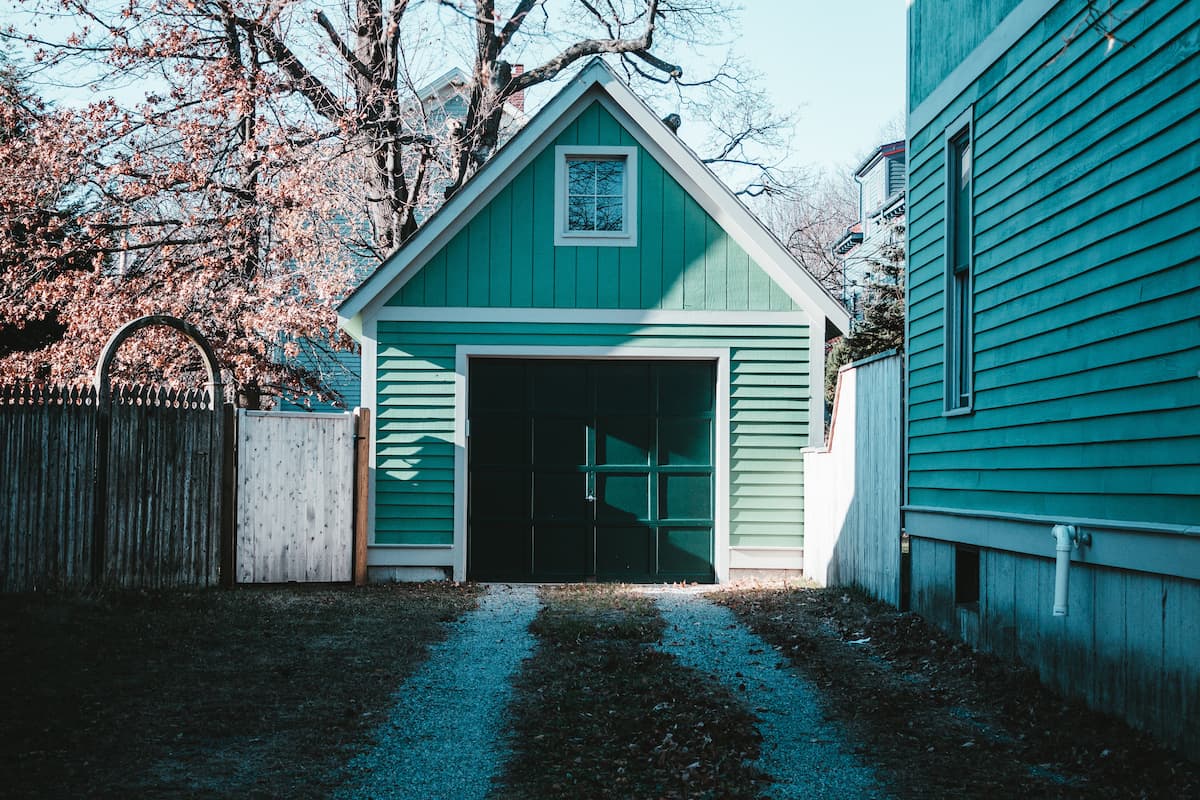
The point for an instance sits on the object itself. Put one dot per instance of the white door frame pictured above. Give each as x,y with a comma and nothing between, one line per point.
720,355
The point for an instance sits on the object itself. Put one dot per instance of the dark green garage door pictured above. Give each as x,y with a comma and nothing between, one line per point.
590,469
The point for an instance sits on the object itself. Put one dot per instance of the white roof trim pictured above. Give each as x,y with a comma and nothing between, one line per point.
596,81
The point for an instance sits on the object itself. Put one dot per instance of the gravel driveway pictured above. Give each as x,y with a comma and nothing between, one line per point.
805,755
444,738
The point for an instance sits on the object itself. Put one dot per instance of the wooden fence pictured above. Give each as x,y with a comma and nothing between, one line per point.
144,491
852,487
147,514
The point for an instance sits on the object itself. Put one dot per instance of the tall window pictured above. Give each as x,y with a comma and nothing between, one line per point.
595,199
958,272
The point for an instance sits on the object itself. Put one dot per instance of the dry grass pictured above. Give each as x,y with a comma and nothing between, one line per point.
250,692
942,721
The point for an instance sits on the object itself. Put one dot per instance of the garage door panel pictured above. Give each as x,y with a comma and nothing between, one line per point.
685,552
625,389
560,441
560,496
562,552
686,389
500,440
491,386
623,496
498,494
500,551
624,441
560,387
685,442
685,496
625,553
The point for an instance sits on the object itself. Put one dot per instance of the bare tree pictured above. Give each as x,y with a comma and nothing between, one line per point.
812,218
233,186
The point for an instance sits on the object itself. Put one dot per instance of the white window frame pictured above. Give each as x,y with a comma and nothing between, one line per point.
627,237
954,403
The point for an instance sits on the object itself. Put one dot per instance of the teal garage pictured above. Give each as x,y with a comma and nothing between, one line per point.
593,363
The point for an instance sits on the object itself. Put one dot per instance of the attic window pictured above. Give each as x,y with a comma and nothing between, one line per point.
595,193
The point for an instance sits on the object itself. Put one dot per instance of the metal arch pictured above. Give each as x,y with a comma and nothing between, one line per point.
216,387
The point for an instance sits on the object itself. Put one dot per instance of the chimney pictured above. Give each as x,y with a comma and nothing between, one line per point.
517,100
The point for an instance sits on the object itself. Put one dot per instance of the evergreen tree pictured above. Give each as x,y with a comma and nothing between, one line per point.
882,325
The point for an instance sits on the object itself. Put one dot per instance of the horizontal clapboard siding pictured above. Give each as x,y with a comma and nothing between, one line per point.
505,257
1087,281
769,388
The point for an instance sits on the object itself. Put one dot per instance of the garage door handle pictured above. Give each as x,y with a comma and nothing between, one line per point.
590,498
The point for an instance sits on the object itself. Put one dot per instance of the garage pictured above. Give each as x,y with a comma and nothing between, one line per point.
590,470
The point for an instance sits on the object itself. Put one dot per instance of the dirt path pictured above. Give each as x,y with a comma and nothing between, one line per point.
804,754
444,738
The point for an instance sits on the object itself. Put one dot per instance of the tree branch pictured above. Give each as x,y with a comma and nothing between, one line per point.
343,50
325,102
591,47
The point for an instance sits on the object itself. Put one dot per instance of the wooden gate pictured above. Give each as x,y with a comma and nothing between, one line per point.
163,489
295,496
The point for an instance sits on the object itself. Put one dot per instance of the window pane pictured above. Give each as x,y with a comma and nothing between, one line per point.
962,204
610,177
963,334
609,216
581,214
581,177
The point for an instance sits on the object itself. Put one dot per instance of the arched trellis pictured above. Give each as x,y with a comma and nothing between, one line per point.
104,365
223,421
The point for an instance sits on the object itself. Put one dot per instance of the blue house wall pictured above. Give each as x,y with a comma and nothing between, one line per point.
1084,332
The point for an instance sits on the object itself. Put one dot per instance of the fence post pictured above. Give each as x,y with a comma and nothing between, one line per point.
228,423
362,454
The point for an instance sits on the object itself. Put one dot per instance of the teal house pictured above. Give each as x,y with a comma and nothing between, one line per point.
592,363
1053,375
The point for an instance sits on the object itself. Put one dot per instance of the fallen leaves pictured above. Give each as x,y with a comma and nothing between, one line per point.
941,720
653,728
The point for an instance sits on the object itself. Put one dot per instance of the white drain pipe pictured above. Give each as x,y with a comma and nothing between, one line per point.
1066,538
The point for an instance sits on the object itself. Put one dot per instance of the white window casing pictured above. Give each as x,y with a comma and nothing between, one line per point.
958,306
627,235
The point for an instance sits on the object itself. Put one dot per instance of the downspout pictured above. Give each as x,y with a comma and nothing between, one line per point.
1066,539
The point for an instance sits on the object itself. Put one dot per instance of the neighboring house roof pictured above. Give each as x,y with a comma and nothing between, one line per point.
595,81
883,151
455,81
849,240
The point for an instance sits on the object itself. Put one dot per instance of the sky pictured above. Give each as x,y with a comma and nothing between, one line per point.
838,63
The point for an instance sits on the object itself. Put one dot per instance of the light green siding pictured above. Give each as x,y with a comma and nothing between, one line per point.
506,256
769,401
1087,280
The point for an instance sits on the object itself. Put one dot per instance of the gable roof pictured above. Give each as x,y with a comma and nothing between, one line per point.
595,82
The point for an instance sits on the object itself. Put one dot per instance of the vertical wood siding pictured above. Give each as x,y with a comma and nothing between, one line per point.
852,491
295,497
506,257
1087,279
1130,644
769,387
